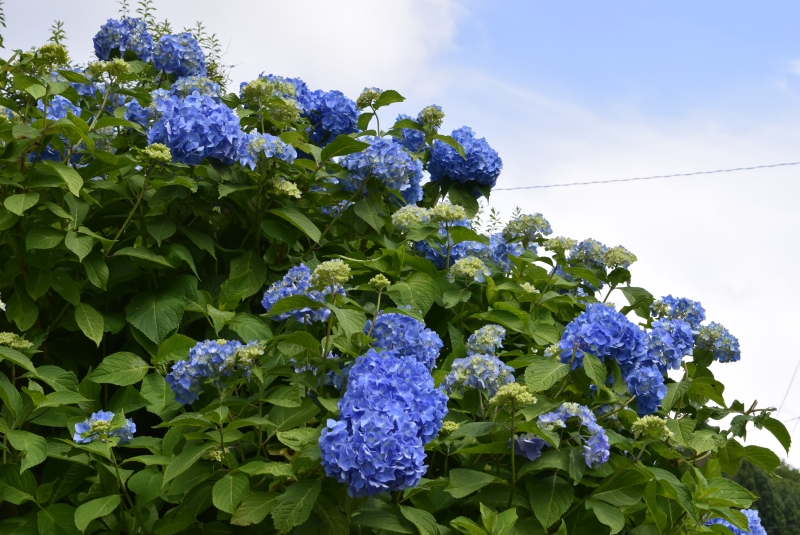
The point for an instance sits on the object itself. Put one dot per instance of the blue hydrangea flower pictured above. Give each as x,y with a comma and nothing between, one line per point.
753,520
480,372
196,128
596,448
291,89
604,333
529,445
716,338
590,252
486,340
207,359
407,337
58,107
668,342
481,164
437,253
186,85
413,140
647,384
386,160
389,411
98,426
499,250
255,144
296,282
135,113
179,54
128,34
679,308
331,113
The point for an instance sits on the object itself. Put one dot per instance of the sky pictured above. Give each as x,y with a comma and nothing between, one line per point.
575,92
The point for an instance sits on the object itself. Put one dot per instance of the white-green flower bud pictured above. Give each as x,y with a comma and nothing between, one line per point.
512,394
651,425
330,273
560,245
469,268
158,152
12,340
447,213
379,282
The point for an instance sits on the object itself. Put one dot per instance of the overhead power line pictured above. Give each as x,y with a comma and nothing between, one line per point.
648,177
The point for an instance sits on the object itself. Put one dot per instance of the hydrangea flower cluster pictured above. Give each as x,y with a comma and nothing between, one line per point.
296,282
646,383
179,54
716,338
186,85
668,342
679,308
128,34
412,139
470,268
499,250
431,117
386,160
406,336
618,257
99,427
486,340
212,359
196,128
753,520
604,333
486,373
331,113
135,113
596,449
58,107
409,216
388,413
527,226
589,252
481,163
13,340
271,146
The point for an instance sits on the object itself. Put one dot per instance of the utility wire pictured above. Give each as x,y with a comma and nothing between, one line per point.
648,177
788,387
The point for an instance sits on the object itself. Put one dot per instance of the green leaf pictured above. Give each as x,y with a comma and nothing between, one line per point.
762,457
462,196
176,253
251,266
200,239
156,314
779,431
293,302
379,521
80,245
543,374
249,327
294,506
550,498
226,189
91,322
297,439
681,430
7,353
31,445
11,398
390,96
96,269
36,91
473,429
261,468
423,291
351,321
43,238
57,518
69,175
161,229
7,219
625,489
464,482
229,491
20,202
143,253
180,463
708,387
674,392
219,318
147,485
452,142
254,509
300,221
38,282
594,369
120,369
342,146
176,347
368,211
422,520
161,397
23,131
706,440
22,310
462,234
724,492
607,514
95,509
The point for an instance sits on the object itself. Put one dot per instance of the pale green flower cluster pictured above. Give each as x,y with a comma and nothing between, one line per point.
329,274
379,282
285,187
618,256
560,244
409,216
368,97
513,394
448,427
651,425
447,213
158,152
53,54
116,67
469,267
431,116
12,340
528,287
526,225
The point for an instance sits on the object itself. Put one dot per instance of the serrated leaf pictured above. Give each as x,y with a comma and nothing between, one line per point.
762,457
202,240
543,374
708,387
368,211
351,321
422,520
390,96
57,518
87,512
779,431
341,146
17,204
7,353
300,221
595,369
156,314
261,468
68,175
120,369
90,321
252,267
462,196
161,229
143,253
681,430
249,327
22,310
550,498
464,482
607,514
31,445
219,318
38,282
43,238
229,491
254,509
180,463
294,506
80,245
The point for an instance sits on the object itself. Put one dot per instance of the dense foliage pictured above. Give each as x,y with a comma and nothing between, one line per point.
258,312
779,498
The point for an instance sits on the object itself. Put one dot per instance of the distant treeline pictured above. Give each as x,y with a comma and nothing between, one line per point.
779,506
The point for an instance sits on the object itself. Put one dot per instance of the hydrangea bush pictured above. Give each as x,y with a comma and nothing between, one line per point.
273,311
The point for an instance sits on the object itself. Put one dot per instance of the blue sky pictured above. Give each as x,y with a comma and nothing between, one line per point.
570,92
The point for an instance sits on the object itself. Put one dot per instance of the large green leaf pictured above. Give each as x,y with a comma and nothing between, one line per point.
180,463
120,369
294,506
68,175
542,374
595,369
90,321
80,245
87,512
762,457
550,498
229,491
31,445
143,253
43,238
156,314
369,212
607,514
708,387
351,321
12,355
21,309
254,508
161,229
300,221
57,518
249,327
96,269
20,202
251,266
342,146
779,431
38,282
464,482
422,520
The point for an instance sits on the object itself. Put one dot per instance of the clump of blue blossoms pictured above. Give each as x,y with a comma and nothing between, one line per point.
529,445
679,308
716,338
647,384
331,113
668,342
405,336
412,139
386,160
296,282
126,35
58,107
753,520
589,252
135,113
186,85
486,340
196,128
596,449
485,373
604,333
179,54
256,144
389,411
99,426
480,164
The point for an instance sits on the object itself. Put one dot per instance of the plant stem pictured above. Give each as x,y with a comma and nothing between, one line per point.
513,456
546,286
133,211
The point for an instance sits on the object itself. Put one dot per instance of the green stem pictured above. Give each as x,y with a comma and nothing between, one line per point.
513,456
132,506
546,286
133,211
